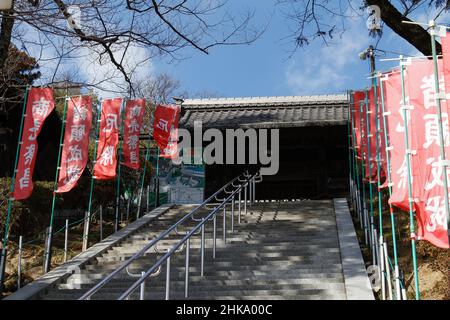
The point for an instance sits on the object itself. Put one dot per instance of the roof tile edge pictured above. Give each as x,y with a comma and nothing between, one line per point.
265,100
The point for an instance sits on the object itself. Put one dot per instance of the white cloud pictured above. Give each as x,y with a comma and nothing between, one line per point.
325,69
110,80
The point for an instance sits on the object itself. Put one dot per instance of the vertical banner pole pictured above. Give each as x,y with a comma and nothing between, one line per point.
377,134
350,152
119,165
10,198
439,114
391,209
355,166
369,158
410,199
363,174
97,136
48,253
141,190
157,179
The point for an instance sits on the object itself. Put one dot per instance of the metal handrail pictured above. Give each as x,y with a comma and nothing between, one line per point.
174,249
141,252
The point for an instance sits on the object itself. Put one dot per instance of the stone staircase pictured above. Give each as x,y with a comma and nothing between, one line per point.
280,250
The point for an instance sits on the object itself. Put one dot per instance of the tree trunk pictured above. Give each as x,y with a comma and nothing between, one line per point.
414,34
5,34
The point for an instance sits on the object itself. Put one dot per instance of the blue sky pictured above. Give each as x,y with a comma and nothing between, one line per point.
265,69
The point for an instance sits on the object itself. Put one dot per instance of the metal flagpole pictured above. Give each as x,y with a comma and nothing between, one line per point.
350,152
48,245
391,208
119,165
408,166
97,136
147,151
157,179
355,166
369,156
364,207
11,196
378,159
353,163
444,162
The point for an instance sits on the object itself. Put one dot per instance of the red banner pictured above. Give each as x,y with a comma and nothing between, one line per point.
395,123
134,115
105,166
76,142
427,168
171,150
358,98
165,121
40,104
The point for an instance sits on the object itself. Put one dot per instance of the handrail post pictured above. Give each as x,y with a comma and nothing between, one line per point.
224,223
101,222
239,215
128,209
232,214
249,192
117,209
382,268
116,220
167,277
66,239
214,236
47,249
186,279
245,197
254,189
148,199
157,199
142,292
138,211
86,231
19,263
202,248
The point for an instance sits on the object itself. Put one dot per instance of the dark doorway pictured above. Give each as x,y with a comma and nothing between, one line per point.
313,164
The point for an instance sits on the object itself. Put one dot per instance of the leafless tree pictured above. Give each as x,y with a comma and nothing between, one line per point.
109,30
159,89
324,19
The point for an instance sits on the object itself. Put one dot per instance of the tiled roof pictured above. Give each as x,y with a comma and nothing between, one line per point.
266,112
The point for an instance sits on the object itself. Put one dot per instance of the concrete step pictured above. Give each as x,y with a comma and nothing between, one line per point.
291,250
249,257
200,288
297,294
212,280
225,267
240,272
